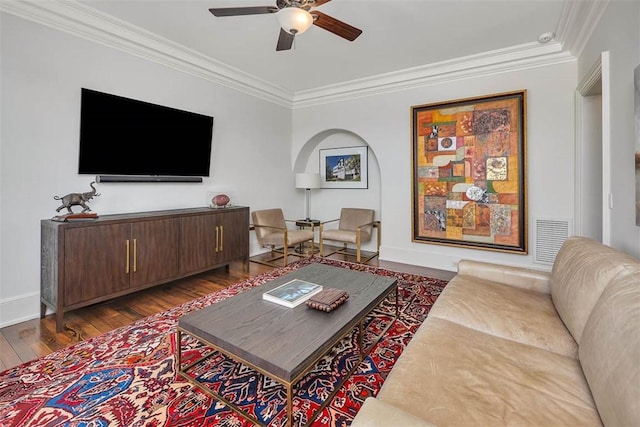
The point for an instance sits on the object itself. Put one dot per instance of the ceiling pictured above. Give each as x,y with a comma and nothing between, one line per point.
397,34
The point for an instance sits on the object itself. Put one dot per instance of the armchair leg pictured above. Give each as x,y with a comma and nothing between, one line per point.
286,253
286,246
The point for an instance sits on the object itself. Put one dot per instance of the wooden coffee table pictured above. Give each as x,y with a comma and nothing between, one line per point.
285,343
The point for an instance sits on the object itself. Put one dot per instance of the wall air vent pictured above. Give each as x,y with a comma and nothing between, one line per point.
550,235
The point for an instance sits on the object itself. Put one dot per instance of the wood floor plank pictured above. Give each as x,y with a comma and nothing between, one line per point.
8,357
21,337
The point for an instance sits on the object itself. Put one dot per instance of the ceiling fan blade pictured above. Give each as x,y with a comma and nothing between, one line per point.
235,11
335,26
285,40
320,2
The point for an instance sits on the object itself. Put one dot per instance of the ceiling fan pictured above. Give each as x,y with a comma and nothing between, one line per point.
295,18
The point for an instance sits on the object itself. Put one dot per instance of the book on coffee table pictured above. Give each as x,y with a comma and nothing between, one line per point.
328,299
292,293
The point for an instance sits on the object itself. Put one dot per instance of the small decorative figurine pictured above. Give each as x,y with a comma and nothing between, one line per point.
77,199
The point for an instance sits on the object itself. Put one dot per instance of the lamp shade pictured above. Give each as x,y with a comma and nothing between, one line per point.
308,180
294,20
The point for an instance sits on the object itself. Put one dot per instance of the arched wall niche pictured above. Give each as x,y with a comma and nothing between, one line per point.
325,203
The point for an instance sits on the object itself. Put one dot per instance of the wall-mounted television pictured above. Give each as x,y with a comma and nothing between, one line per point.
123,139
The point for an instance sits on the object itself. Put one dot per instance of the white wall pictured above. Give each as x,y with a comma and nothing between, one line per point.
42,71
589,209
617,32
384,122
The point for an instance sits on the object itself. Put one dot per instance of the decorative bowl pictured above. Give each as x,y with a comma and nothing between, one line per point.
220,200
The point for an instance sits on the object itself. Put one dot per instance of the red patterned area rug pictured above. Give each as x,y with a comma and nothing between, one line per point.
127,377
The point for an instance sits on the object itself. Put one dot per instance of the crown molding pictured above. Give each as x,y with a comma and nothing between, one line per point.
577,22
83,21
513,58
591,80
75,18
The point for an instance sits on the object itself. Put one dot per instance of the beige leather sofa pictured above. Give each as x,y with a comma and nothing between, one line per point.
511,346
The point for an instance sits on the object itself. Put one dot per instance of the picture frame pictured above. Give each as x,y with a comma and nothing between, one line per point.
469,173
345,167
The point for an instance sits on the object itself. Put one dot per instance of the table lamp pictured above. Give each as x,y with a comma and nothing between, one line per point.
308,181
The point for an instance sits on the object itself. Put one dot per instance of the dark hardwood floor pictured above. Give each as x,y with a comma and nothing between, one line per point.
35,338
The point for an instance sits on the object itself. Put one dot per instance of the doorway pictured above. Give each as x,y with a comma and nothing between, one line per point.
592,172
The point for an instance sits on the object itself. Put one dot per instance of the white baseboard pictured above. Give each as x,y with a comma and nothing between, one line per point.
256,249
442,261
19,309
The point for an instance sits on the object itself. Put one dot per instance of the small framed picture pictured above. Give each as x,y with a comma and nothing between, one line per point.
344,167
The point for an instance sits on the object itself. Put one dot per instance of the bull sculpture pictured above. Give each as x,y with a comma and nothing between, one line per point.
77,199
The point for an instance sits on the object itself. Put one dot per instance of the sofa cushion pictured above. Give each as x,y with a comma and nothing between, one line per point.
610,351
293,236
516,314
518,277
469,378
581,271
344,235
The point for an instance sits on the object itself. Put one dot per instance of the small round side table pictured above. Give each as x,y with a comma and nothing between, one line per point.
304,223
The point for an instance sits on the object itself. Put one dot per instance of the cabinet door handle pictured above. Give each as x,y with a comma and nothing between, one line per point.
217,238
135,255
128,255
221,238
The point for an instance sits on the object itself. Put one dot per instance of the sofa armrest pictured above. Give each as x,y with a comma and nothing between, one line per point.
376,413
524,278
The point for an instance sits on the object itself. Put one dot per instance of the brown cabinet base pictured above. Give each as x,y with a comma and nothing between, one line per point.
87,262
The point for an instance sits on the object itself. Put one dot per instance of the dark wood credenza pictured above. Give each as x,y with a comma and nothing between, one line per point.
86,262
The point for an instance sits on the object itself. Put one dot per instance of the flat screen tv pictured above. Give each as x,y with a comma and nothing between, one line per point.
126,137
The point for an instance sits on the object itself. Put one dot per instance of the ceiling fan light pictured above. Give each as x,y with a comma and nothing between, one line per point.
294,20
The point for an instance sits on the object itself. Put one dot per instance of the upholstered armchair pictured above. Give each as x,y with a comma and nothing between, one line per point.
272,231
355,226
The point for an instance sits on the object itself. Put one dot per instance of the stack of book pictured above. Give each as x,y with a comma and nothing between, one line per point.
328,299
292,293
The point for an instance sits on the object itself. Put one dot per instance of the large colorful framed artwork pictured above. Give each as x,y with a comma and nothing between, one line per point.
344,167
469,167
